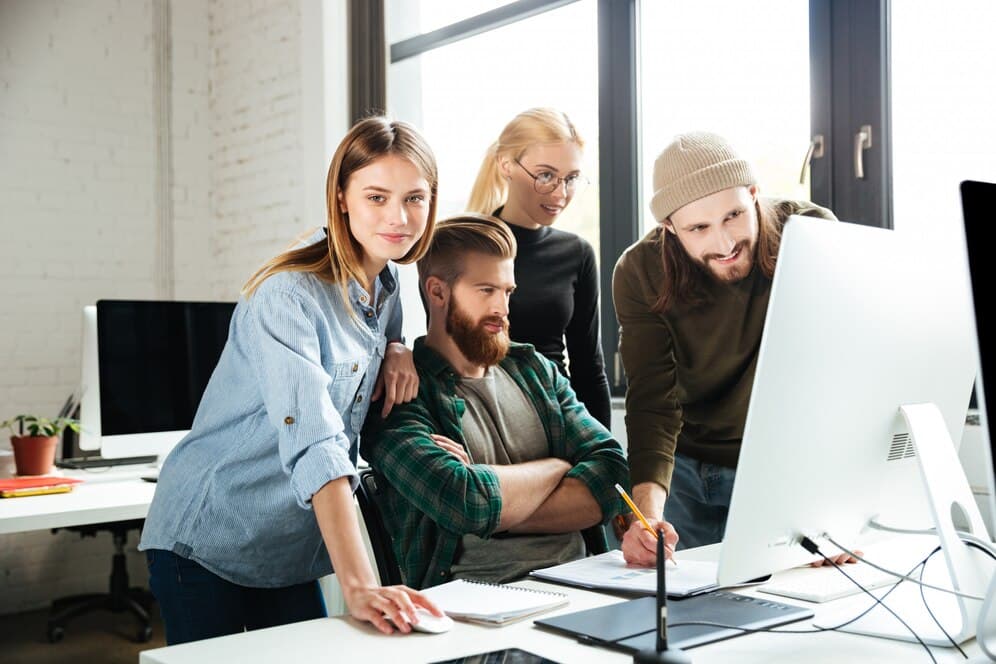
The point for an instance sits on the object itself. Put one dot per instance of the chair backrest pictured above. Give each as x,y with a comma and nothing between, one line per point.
370,496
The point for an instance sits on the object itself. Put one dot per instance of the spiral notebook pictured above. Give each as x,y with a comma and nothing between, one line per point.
492,603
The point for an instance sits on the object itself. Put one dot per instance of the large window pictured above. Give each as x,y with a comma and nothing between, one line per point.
740,70
943,101
462,94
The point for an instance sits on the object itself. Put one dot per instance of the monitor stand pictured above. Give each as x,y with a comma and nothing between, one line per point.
950,498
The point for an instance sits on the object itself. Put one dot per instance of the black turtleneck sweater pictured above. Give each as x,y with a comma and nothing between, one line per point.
555,308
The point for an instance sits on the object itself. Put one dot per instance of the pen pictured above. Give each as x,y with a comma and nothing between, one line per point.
639,515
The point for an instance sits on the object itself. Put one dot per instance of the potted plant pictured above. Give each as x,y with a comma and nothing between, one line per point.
34,441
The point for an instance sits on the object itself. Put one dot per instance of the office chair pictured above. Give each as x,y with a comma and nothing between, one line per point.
370,497
120,596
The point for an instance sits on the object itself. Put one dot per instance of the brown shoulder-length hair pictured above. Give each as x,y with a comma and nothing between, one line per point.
339,258
684,279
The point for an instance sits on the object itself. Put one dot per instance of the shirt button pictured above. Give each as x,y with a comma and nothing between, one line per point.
370,314
363,299
288,420
356,367
359,398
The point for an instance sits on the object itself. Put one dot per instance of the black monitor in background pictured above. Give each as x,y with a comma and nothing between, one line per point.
155,361
979,206
146,365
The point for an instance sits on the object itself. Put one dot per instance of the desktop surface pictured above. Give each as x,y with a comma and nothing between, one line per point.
108,494
351,639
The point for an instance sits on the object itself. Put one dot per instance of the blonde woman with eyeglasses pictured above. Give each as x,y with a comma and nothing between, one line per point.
528,177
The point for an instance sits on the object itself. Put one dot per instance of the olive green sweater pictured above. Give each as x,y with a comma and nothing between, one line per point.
689,371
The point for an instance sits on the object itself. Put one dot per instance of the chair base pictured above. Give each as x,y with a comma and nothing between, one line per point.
120,597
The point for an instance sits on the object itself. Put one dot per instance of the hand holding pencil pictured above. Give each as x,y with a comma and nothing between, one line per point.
639,544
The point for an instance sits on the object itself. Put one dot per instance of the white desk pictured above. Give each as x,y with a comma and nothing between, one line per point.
345,639
114,494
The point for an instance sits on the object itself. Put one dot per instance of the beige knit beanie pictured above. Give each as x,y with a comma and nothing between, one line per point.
693,166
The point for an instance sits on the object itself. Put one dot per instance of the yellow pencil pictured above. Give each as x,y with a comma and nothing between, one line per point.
637,512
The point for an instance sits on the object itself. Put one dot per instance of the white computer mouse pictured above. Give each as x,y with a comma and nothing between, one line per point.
429,623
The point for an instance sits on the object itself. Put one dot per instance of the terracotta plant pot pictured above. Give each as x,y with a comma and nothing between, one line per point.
34,455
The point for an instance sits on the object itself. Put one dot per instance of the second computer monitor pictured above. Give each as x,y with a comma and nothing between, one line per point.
861,321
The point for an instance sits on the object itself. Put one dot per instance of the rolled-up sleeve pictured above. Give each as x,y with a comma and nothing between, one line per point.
284,329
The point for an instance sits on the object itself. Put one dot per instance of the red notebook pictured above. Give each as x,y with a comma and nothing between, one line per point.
32,486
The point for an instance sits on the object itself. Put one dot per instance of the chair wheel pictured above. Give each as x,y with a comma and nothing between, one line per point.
144,634
55,633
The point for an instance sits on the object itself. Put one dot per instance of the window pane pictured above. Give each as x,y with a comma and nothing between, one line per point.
737,69
407,18
943,96
462,95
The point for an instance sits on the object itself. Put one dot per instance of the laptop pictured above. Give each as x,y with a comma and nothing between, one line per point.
630,626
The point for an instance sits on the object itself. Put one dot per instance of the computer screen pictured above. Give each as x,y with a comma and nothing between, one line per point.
861,321
978,201
146,365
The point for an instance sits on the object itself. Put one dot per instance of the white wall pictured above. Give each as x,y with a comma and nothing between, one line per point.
79,175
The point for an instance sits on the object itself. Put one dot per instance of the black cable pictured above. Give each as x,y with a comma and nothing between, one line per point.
811,546
923,597
775,630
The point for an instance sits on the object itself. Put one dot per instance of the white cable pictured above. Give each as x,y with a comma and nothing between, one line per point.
898,575
964,534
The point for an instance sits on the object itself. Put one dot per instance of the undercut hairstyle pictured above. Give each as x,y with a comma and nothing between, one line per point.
684,283
458,236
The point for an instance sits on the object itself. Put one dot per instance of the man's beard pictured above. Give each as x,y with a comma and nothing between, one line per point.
476,343
729,276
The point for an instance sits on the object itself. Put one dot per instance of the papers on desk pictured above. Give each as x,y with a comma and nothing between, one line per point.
16,487
609,571
491,604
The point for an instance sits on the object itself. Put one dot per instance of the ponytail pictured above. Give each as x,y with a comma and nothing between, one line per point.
490,189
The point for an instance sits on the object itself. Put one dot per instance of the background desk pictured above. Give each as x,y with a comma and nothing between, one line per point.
111,495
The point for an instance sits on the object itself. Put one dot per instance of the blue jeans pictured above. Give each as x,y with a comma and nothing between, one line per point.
197,604
699,501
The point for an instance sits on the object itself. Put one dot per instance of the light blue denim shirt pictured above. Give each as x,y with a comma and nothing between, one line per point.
280,417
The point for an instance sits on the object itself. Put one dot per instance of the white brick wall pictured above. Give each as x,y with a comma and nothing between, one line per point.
77,192
78,179
256,188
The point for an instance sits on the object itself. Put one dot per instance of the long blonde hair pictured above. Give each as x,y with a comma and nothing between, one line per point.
339,258
531,127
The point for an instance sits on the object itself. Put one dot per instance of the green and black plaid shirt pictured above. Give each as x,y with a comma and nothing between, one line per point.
432,499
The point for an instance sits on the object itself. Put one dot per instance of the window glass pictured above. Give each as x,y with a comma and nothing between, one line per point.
463,94
740,70
943,101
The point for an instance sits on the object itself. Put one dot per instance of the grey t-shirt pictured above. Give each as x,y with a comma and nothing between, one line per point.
501,427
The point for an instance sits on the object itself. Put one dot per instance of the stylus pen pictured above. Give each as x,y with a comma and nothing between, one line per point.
639,515
661,596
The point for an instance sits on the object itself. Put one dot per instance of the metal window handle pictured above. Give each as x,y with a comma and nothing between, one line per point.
815,151
862,142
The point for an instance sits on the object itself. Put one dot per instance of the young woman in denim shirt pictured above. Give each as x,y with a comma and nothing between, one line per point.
256,503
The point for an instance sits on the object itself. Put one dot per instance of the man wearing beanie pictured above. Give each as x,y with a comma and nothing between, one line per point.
691,299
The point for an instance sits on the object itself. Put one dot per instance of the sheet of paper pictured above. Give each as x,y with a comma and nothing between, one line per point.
609,571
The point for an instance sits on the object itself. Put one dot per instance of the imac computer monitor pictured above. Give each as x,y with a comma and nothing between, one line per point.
978,200
861,321
145,366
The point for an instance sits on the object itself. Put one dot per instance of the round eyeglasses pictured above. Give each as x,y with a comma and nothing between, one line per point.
546,182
